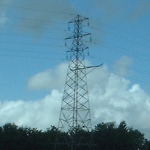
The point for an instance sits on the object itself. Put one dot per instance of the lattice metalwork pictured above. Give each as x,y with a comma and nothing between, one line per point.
75,115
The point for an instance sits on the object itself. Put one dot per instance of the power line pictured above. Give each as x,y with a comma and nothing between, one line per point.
31,57
9,5
120,29
75,109
33,19
29,51
30,26
118,36
145,74
141,57
27,36
122,50
37,9
47,45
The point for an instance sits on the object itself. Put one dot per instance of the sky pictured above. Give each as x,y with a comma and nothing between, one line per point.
33,60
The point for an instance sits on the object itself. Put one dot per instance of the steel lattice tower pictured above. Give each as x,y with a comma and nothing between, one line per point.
75,109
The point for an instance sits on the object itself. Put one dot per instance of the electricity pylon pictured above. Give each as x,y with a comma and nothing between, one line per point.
75,117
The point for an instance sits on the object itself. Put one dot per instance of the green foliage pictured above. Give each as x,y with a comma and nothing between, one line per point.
106,136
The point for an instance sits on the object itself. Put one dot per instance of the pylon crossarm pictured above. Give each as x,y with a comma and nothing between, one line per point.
75,108
77,36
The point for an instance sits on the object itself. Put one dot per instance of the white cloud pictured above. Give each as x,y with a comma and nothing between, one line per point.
48,79
41,113
112,98
122,66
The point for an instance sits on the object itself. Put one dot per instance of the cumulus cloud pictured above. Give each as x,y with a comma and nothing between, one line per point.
122,66
48,79
112,98
41,113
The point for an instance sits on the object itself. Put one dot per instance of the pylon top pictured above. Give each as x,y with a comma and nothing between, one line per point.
78,18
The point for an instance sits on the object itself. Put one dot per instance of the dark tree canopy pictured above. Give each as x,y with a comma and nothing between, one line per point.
106,136
109,136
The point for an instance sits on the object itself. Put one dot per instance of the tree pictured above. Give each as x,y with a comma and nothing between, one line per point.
106,136
109,137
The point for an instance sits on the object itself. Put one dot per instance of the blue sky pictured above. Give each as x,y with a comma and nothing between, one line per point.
28,48
33,59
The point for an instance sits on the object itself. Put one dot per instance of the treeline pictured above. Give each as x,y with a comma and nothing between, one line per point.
106,136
